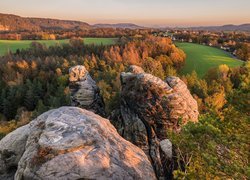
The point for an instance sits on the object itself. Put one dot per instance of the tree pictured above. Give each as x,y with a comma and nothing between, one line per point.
154,67
40,108
223,71
2,97
170,71
9,104
243,51
30,98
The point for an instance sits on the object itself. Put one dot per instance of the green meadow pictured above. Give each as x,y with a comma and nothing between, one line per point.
13,45
201,58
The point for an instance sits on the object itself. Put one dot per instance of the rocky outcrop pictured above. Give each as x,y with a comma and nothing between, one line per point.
84,91
149,109
135,69
166,147
12,147
71,143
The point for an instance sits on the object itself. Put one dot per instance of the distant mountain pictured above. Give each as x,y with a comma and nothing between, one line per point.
119,25
17,23
229,27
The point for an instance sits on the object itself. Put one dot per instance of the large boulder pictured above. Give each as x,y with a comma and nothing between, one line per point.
73,143
84,91
12,147
150,107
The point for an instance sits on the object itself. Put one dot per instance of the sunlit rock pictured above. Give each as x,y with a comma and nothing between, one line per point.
73,143
84,91
150,107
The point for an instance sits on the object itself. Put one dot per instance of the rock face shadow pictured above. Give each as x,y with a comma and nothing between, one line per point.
149,109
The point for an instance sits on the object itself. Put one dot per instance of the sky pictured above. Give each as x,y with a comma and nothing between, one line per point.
142,12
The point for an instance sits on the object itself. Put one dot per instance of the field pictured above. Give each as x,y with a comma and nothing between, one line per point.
201,58
12,45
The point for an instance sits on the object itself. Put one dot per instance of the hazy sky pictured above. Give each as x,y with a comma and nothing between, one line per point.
143,12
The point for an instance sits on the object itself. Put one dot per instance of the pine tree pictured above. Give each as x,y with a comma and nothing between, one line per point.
30,98
2,96
40,108
9,104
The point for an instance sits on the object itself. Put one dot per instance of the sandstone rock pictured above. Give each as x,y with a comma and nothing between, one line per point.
84,91
72,143
149,108
184,105
12,147
135,69
166,147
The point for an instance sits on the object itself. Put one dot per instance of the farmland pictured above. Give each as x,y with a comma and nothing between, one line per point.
13,45
201,58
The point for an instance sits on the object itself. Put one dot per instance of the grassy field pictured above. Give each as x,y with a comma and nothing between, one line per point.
201,58
12,45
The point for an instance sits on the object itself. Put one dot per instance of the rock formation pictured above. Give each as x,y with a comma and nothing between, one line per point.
12,147
71,143
135,69
149,108
84,91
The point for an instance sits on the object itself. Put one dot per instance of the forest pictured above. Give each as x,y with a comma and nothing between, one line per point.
36,80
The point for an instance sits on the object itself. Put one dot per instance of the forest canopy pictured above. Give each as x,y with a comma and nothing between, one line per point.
36,80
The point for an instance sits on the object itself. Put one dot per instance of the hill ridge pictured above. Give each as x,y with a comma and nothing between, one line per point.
13,22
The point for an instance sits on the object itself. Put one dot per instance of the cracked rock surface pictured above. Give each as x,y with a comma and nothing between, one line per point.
84,91
149,108
72,143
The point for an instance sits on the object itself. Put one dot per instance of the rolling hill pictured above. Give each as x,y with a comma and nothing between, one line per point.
17,23
9,22
229,27
119,25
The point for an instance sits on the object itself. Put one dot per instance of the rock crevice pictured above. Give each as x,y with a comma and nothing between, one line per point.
72,143
149,109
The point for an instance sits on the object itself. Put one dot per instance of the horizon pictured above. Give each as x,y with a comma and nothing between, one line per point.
148,13
147,26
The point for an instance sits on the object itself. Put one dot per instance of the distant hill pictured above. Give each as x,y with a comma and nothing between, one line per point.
17,23
10,22
119,25
229,27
